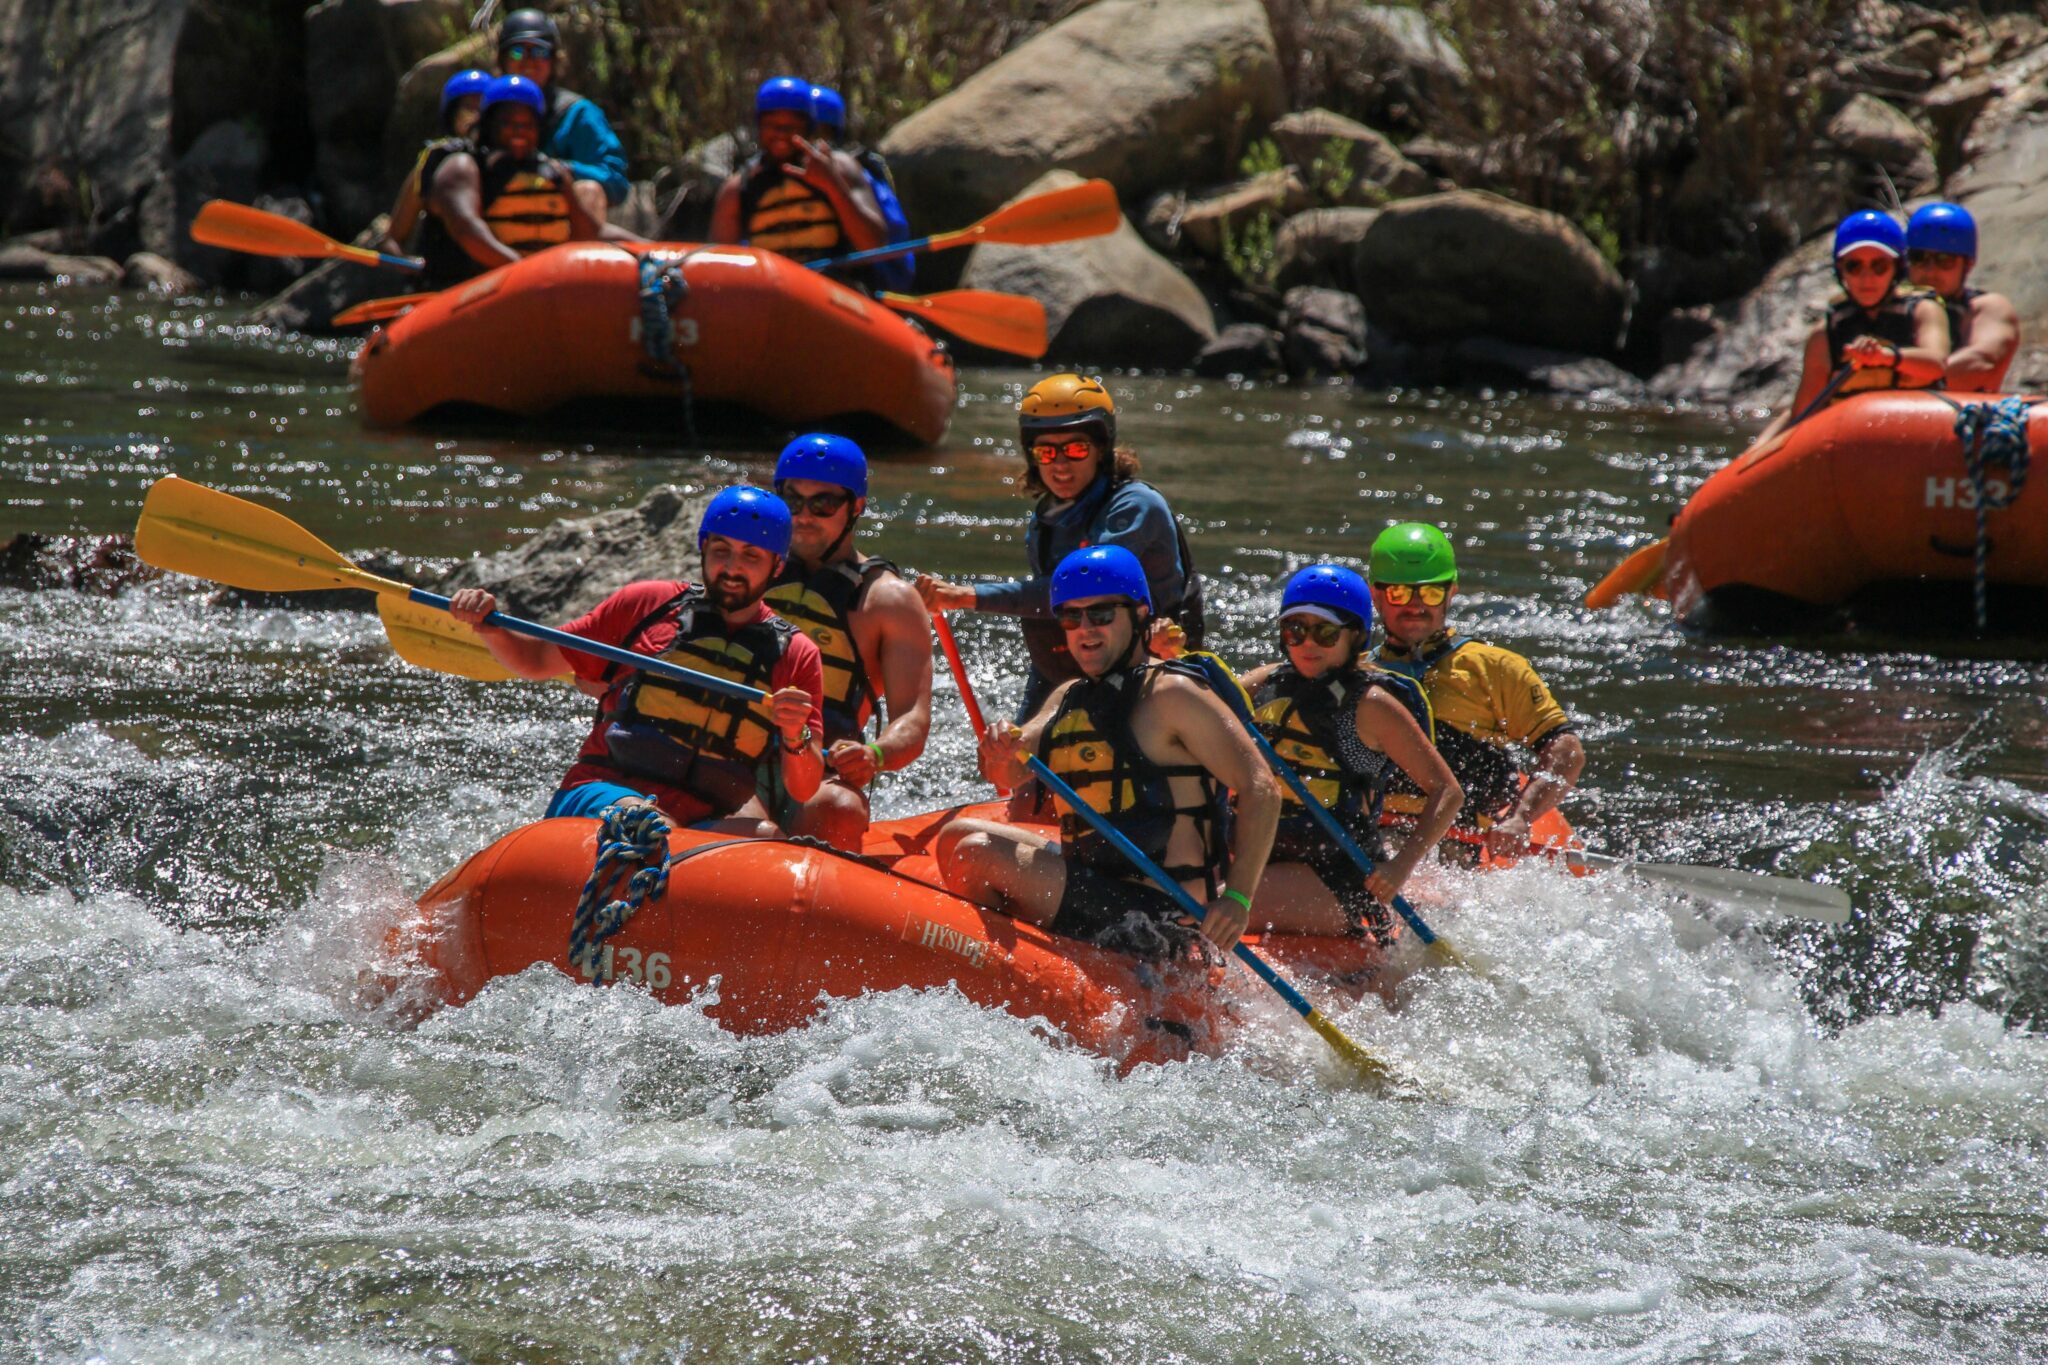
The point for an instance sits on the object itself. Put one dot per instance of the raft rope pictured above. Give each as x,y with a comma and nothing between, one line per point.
629,835
1992,434
663,289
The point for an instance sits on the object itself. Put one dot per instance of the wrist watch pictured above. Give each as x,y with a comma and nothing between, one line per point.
803,741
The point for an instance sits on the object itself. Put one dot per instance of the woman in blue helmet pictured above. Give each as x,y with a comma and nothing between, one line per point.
1345,728
796,196
462,99
1983,328
1889,338
700,756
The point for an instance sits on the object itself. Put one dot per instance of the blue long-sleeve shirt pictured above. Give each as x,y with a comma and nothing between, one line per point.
1133,515
582,139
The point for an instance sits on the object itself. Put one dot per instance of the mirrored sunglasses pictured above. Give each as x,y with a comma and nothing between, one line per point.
1399,594
1095,614
1295,629
521,52
1064,450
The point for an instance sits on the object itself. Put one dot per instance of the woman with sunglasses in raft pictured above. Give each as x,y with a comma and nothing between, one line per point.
1089,493
1891,338
1346,728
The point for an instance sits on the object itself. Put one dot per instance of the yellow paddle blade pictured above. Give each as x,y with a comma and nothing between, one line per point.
1371,1069
1001,322
427,637
377,310
1640,572
237,227
189,528
1088,209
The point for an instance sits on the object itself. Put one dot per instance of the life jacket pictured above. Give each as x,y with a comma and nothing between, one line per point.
431,157
1312,723
899,273
1958,310
524,209
1089,743
1047,643
691,737
782,214
821,605
1891,321
1487,771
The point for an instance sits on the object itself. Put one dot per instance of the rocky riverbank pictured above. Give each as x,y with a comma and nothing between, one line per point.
1314,188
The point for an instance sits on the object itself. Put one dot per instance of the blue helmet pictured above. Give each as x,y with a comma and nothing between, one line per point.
750,515
783,92
1332,587
515,90
828,108
1868,227
825,459
474,81
1100,571
1943,227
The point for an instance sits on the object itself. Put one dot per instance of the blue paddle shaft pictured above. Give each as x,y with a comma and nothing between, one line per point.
1157,875
402,262
873,253
1228,691
562,639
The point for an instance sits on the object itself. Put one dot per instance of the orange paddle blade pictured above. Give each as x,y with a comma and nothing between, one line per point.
1088,209
1640,572
1001,322
378,310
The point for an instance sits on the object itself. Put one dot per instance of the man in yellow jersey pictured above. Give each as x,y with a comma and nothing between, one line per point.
505,200
872,631
1486,699
796,196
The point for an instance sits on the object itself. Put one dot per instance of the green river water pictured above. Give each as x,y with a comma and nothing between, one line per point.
1803,1143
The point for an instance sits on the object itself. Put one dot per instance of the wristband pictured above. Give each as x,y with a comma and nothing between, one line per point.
1240,897
881,759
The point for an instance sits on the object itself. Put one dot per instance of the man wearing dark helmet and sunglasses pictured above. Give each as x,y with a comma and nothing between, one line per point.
1149,747
1486,700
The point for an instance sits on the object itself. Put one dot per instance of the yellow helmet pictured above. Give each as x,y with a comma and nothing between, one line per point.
1063,401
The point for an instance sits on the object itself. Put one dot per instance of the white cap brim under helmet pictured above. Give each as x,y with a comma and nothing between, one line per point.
1879,247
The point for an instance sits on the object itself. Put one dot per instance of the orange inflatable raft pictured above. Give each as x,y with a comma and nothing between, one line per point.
746,329
783,927
1870,496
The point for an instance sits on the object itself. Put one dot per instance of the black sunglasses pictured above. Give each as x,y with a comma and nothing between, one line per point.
1295,629
1096,614
817,504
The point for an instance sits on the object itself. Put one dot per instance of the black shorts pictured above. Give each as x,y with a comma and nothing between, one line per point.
1130,917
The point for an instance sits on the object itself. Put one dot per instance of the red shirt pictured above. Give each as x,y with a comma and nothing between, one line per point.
610,622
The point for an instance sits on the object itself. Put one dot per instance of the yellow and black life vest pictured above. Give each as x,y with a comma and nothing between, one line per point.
1892,321
1312,724
691,737
782,214
821,605
1090,744
525,210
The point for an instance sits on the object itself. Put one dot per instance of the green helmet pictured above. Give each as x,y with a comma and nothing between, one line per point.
1413,552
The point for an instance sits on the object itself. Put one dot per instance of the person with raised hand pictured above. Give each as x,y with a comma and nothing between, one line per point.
1088,493
1983,328
462,99
1346,728
702,757
797,196
1486,701
1149,747
871,630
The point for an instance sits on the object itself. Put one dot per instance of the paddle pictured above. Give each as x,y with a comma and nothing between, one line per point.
1088,209
237,227
1644,569
944,629
1232,696
1371,1068
1001,322
378,310
432,639
189,528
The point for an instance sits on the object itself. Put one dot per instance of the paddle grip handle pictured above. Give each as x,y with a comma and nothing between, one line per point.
562,639
1228,692
1157,876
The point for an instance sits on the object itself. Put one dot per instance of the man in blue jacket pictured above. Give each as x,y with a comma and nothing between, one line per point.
575,131
1089,493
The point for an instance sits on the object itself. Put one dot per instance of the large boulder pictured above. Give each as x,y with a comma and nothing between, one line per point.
1324,333
1868,127
1347,161
1108,300
2006,187
1755,346
1467,263
224,162
1321,247
356,53
1148,94
1389,64
572,565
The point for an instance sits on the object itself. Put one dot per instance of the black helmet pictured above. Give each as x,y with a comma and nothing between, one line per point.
529,26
